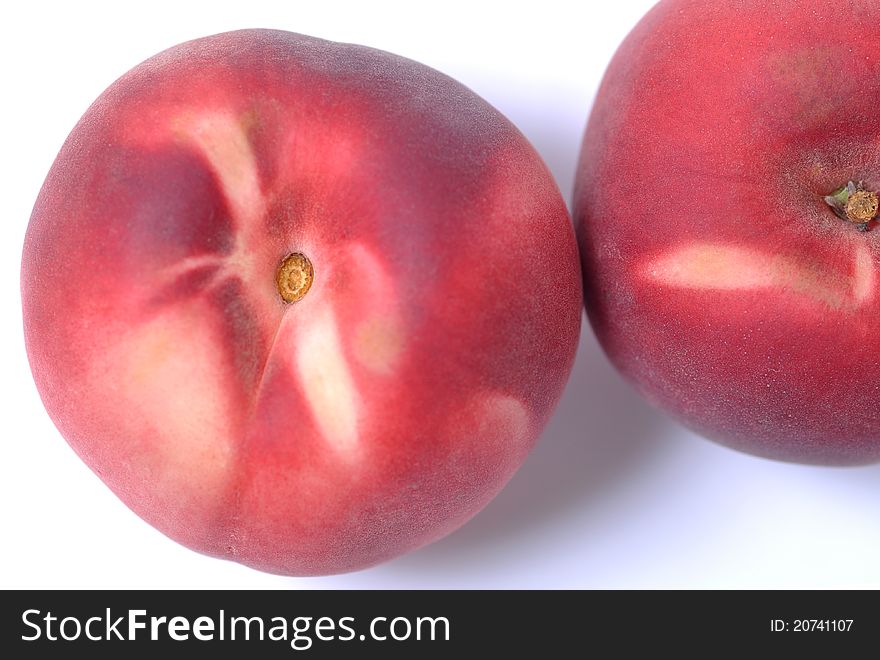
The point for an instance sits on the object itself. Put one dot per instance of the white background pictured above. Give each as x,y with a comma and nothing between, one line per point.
615,495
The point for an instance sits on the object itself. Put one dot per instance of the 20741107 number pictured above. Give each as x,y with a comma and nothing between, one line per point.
811,625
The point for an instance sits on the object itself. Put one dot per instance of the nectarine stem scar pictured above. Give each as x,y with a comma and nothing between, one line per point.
294,277
855,203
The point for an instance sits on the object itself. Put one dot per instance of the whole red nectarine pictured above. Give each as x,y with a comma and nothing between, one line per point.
724,205
300,304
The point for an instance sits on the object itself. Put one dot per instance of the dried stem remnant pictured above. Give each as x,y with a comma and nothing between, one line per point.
294,277
854,203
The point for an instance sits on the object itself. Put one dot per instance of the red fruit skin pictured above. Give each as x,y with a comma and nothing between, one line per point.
375,415
716,277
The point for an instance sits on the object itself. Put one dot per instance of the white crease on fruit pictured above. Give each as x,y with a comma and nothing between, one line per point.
716,266
326,379
313,341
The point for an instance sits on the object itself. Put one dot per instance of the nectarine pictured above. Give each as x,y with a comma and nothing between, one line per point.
725,201
300,304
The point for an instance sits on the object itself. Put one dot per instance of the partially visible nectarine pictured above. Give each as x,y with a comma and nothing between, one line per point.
300,304
728,174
